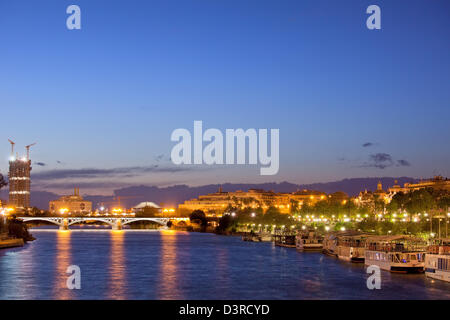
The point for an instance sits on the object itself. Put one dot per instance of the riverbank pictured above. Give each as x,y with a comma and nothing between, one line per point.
7,242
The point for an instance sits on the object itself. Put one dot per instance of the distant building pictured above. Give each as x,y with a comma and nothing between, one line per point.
147,204
437,183
216,203
71,204
213,203
148,209
307,196
380,194
367,198
19,182
396,188
339,196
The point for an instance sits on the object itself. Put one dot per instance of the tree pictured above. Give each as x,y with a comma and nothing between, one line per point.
18,229
225,223
198,216
294,205
379,206
393,206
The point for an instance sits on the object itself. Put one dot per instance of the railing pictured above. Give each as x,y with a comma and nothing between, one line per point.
395,247
352,243
436,249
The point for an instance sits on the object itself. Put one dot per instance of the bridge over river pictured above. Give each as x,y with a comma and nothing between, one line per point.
115,222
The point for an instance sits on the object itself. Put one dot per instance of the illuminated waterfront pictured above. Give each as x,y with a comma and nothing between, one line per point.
179,265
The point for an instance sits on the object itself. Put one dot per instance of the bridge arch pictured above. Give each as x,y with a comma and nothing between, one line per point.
160,221
58,221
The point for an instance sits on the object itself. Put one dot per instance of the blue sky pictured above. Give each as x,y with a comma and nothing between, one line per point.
109,95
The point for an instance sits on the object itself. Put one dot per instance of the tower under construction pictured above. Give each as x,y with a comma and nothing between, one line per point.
19,179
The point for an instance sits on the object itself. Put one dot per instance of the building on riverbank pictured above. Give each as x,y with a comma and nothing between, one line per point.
436,183
216,203
71,204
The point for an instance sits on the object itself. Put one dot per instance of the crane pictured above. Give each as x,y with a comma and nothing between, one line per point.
28,150
12,146
116,200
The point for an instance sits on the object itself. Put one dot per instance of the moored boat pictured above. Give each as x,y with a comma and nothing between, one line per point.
309,241
351,247
437,260
252,237
284,240
401,253
265,236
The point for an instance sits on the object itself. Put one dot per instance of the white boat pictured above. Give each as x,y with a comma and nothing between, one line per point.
309,241
351,247
437,260
404,254
265,236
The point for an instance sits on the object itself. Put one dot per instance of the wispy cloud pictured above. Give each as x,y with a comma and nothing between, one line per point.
109,173
383,161
64,185
368,144
379,160
403,163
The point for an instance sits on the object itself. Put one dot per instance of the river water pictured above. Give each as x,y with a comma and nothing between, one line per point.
135,264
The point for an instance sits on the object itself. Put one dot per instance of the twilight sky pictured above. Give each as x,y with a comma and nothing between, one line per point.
102,102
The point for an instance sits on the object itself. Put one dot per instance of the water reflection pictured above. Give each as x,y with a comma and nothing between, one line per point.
116,288
63,261
223,269
167,287
178,265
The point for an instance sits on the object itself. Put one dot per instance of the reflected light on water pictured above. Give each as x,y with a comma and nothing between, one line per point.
168,275
117,266
223,268
63,261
